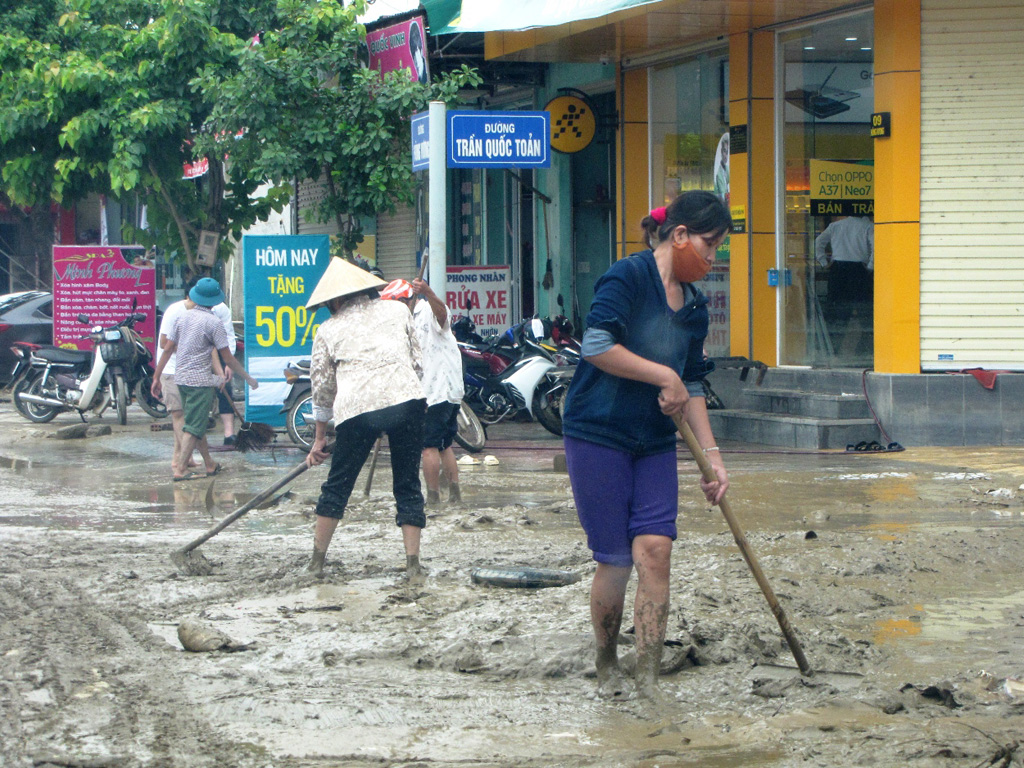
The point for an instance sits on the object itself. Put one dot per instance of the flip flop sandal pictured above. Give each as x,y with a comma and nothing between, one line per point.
189,476
894,447
874,445
216,470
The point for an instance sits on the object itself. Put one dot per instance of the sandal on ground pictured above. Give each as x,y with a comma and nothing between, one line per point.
217,467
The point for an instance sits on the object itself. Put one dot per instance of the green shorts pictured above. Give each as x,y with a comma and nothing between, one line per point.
196,402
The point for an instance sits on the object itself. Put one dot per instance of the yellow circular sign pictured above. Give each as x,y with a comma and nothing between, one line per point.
573,123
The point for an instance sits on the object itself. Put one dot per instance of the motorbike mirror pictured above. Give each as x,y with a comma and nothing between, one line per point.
83,319
537,328
138,317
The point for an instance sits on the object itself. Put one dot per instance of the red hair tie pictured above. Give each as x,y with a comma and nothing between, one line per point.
659,215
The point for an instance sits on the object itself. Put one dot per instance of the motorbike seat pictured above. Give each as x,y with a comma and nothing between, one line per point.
304,364
66,356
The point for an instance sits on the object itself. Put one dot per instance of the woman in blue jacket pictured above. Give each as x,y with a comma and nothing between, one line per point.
642,362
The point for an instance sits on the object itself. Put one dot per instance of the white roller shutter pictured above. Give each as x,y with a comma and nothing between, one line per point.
308,196
396,243
972,184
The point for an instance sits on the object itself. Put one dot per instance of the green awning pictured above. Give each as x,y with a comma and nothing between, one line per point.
448,17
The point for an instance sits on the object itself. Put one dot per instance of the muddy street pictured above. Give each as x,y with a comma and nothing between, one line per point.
900,573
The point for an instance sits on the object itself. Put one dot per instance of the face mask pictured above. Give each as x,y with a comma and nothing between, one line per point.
688,266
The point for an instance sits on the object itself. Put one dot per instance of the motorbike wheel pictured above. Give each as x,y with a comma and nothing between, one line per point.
547,409
40,414
121,399
471,433
20,386
145,399
301,433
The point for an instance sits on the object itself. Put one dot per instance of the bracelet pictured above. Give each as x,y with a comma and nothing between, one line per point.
712,448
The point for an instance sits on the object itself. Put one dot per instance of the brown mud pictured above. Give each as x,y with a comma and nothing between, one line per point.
905,568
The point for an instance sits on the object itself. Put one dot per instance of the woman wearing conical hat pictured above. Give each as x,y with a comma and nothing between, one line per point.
365,373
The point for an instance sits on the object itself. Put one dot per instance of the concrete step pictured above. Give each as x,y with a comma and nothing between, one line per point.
803,432
829,381
803,403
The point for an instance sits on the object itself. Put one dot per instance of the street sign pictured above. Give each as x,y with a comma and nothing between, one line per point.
420,141
482,139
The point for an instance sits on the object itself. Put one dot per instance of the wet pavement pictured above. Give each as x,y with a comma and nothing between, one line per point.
904,568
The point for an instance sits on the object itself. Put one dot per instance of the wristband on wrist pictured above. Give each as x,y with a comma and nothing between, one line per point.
712,448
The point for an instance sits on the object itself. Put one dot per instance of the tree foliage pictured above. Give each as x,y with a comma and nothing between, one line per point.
113,96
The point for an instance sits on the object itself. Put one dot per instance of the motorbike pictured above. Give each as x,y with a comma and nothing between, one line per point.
301,426
509,375
117,371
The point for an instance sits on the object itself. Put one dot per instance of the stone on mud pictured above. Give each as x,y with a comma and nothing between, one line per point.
198,636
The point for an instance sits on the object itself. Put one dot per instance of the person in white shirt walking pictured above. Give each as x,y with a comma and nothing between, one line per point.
442,382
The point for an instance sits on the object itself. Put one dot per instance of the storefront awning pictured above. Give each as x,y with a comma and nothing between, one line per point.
448,17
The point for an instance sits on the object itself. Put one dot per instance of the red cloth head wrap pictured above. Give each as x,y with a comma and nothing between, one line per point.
659,215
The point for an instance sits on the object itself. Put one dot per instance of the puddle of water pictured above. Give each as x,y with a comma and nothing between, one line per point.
956,620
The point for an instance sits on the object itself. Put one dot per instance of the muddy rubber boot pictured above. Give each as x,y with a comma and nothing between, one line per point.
316,563
454,494
433,497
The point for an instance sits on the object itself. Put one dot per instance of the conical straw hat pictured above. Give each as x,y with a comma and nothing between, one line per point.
341,279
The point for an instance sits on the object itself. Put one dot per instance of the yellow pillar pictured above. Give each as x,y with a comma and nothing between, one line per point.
631,160
898,187
752,312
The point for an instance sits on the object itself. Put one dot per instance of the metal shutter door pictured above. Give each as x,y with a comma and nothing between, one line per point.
972,184
396,243
309,195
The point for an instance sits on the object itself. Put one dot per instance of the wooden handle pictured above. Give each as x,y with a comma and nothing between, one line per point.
255,501
709,474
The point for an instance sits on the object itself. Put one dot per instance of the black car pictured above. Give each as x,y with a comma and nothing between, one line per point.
26,316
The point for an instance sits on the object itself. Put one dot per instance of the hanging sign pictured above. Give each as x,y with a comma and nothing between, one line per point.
573,123
482,139
279,275
399,46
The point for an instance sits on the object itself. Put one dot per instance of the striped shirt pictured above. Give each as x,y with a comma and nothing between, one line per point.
197,333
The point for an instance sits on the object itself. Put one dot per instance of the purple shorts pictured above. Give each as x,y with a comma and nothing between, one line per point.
620,496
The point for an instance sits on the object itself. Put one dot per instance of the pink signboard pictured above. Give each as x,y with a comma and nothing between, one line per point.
101,281
400,46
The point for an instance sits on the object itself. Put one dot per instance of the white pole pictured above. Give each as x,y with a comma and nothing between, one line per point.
437,248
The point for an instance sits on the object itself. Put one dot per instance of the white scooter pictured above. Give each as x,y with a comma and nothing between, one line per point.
72,380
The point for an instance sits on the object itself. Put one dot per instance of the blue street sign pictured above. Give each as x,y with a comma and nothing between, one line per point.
420,141
482,139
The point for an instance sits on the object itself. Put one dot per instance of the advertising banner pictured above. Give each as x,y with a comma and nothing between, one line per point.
399,46
483,293
842,189
279,275
106,283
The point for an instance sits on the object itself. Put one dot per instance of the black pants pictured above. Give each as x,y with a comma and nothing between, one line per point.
403,424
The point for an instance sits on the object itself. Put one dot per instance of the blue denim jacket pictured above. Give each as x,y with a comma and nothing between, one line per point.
630,303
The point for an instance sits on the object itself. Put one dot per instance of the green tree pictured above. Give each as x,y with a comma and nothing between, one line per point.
309,109
113,96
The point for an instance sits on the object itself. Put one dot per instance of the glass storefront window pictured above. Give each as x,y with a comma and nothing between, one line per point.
825,101
689,125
